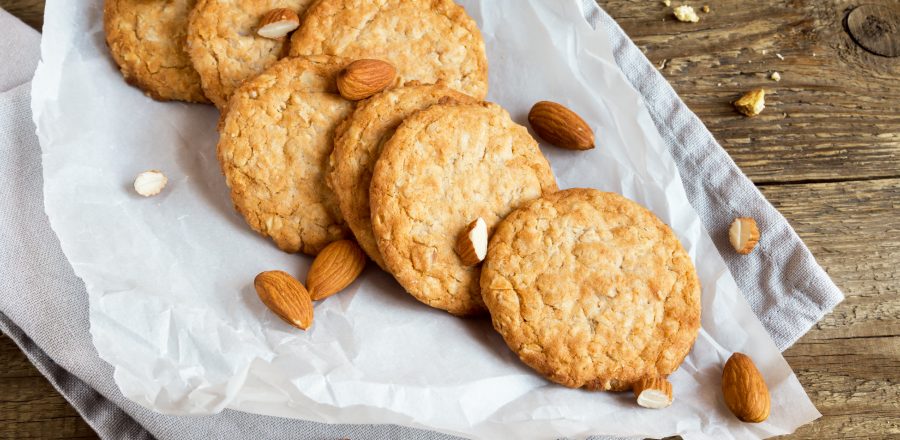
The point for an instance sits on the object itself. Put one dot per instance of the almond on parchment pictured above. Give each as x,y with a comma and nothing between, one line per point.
364,78
150,183
336,266
471,245
744,389
743,235
562,127
277,23
286,297
653,392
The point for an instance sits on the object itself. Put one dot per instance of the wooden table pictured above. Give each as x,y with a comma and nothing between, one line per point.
826,152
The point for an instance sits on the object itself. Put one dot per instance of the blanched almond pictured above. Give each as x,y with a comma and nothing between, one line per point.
653,392
277,23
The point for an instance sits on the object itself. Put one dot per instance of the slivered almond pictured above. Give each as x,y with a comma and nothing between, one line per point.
471,245
743,235
364,78
560,126
277,23
286,297
335,268
653,392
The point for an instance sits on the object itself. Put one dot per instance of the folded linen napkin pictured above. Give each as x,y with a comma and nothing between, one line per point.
44,306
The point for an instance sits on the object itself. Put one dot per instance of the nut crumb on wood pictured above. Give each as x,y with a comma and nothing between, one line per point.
775,76
752,103
705,9
686,14
780,57
667,3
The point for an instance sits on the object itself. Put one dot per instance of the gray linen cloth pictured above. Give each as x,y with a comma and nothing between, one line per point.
44,306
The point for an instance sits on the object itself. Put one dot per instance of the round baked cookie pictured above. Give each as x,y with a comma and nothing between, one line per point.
274,144
224,47
358,143
432,41
147,40
591,290
443,168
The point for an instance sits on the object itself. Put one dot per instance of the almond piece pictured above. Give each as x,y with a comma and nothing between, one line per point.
364,78
743,235
752,103
686,14
745,391
150,183
286,297
471,245
560,126
653,392
335,268
277,23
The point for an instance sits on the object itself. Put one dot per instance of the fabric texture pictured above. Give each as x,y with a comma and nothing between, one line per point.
44,306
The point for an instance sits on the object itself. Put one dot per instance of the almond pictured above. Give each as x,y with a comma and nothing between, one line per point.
560,126
743,235
471,245
286,297
745,391
335,268
150,183
277,23
364,78
752,103
653,392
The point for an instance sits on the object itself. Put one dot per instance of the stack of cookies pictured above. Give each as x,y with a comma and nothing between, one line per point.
588,288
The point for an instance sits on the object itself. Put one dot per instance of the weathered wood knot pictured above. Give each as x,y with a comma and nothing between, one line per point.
876,28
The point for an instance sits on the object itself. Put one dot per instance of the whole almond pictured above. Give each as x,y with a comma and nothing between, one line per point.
335,268
745,391
653,392
364,78
560,126
277,23
286,297
471,245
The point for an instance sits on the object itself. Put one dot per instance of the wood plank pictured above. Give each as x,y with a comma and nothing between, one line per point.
30,11
835,115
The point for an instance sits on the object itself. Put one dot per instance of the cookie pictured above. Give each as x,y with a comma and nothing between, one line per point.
591,290
430,41
358,143
224,47
147,40
443,168
274,144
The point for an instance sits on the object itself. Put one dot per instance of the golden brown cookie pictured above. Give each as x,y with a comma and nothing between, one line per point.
147,40
430,41
224,47
358,143
274,144
591,290
443,168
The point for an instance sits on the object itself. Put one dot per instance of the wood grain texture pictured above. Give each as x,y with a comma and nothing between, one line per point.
29,11
826,152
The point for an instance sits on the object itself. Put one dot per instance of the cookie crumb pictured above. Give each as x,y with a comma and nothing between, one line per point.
150,183
752,103
705,9
775,76
780,57
686,14
667,3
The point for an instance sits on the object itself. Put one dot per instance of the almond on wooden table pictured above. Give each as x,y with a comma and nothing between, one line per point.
336,266
751,103
277,23
743,235
744,389
653,392
364,78
286,297
471,245
562,127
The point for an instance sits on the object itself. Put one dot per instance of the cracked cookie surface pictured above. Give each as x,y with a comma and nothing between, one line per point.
592,290
274,145
224,47
432,41
147,40
358,143
444,167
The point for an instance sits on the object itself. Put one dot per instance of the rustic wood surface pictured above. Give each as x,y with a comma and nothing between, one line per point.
826,152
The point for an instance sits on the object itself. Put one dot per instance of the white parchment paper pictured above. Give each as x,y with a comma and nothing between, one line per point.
172,305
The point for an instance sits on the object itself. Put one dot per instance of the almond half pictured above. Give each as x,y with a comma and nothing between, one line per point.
743,235
364,78
653,392
286,297
335,268
744,389
560,126
277,23
471,245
